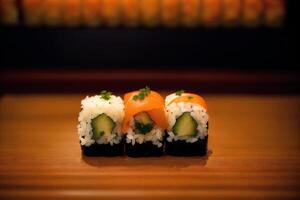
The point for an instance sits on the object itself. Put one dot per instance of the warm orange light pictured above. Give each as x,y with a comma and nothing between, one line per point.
71,12
252,12
149,10
111,12
170,12
53,13
190,12
8,12
130,12
274,12
33,10
91,12
232,10
211,12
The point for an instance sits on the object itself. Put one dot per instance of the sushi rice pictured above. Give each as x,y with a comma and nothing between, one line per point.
174,110
93,107
155,136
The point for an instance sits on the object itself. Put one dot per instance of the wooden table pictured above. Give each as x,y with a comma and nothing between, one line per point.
254,142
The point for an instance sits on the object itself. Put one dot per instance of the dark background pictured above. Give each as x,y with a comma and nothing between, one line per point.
225,48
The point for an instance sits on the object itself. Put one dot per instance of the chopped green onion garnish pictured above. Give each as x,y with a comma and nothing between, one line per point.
179,92
144,92
106,95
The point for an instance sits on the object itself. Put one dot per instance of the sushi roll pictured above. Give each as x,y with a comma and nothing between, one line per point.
274,12
144,123
100,125
170,10
130,12
71,12
231,12
150,12
211,12
190,12
53,12
91,12
252,12
187,134
33,10
9,12
111,12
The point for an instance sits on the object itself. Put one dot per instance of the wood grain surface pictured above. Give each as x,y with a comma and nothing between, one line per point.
254,154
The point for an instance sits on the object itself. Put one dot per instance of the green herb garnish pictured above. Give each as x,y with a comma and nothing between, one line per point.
106,95
179,92
190,97
144,92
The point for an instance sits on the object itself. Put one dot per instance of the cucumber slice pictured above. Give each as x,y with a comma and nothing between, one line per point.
143,123
185,125
102,125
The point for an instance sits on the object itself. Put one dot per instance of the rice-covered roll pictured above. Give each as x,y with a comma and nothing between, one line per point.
170,10
130,12
252,12
211,12
53,12
71,12
100,125
274,12
111,12
9,12
190,12
150,12
144,123
91,12
33,10
232,10
187,134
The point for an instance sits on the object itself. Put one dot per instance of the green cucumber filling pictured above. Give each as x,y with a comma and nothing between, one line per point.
185,125
102,125
143,123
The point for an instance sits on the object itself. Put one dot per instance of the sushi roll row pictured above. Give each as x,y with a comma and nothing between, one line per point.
149,13
143,124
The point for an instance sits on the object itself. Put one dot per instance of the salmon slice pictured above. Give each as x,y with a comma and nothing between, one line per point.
190,98
153,104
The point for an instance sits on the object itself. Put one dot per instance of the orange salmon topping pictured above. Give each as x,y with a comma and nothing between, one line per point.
190,98
153,104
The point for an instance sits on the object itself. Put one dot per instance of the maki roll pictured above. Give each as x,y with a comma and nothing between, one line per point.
187,134
170,12
149,11
100,124
190,10
144,123
130,12
91,12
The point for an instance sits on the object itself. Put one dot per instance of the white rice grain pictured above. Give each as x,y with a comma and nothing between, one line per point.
155,135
